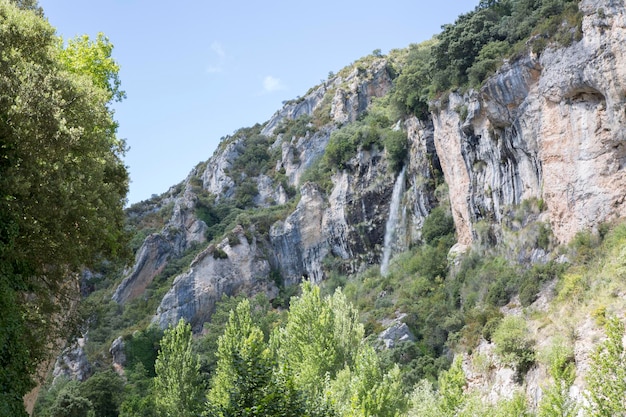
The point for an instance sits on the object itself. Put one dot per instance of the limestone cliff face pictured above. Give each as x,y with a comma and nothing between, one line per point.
549,127
232,267
346,223
181,231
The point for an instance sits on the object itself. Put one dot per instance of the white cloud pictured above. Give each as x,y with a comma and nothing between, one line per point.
271,84
220,54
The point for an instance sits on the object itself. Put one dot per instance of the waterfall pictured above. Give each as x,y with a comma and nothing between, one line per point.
395,218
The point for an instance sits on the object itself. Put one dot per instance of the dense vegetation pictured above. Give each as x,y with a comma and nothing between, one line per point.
467,52
320,357
62,182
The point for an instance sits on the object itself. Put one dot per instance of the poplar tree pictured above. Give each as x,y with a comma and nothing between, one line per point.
177,385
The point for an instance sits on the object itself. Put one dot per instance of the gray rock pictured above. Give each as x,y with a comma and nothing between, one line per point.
228,268
72,363
397,333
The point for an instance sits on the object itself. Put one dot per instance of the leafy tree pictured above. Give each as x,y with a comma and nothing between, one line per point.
606,379
365,390
244,384
32,5
177,386
62,190
449,400
514,345
410,93
320,338
70,403
138,395
93,59
104,391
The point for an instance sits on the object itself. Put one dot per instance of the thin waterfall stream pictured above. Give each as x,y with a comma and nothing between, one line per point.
395,217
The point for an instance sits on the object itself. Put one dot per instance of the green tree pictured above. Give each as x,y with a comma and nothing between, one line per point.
514,345
606,379
365,390
62,190
104,391
70,402
177,387
449,400
138,396
244,383
92,58
321,337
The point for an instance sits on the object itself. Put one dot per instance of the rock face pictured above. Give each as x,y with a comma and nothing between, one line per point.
236,265
548,127
73,363
181,231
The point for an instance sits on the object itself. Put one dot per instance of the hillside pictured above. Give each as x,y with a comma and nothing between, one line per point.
467,195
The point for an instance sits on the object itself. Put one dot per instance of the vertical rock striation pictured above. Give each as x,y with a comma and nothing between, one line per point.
549,127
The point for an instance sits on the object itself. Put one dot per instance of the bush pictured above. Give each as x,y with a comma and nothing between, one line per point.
438,224
514,345
396,146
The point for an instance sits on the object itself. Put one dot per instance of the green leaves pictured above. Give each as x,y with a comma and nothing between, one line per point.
177,386
606,380
92,58
62,183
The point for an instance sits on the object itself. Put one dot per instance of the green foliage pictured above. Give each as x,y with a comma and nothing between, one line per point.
372,130
448,400
535,277
365,391
71,403
321,336
437,225
138,396
104,391
410,93
142,347
177,388
254,156
475,45
396,146
92,59
556,401
244,383
488,61
298,127
606,379
514,345
63,186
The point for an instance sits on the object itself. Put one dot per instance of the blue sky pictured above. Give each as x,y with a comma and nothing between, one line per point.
195,71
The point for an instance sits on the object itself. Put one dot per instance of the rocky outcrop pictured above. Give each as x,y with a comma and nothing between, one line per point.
356,92
181,231
73,363
236,265
118,355
549,127
150,260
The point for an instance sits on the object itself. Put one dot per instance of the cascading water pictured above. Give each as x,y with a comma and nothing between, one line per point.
395,218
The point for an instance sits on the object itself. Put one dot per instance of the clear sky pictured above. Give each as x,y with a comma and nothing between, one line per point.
195,71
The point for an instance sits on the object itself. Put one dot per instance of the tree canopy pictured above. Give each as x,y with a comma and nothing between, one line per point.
62,185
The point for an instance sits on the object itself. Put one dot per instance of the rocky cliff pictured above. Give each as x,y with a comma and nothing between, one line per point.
548,127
